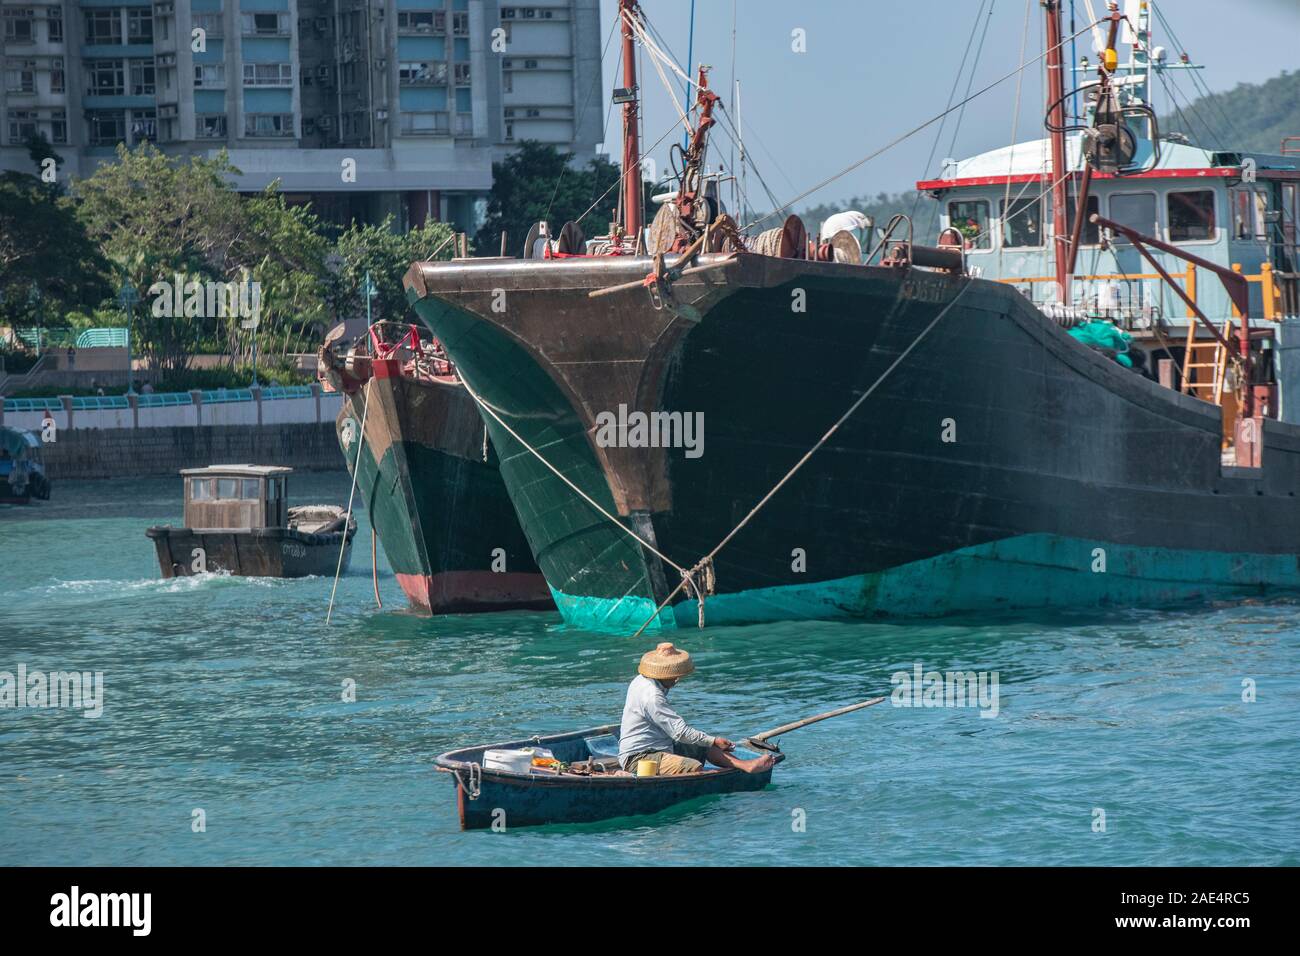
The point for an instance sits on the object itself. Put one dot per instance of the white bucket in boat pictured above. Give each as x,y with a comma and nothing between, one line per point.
508,761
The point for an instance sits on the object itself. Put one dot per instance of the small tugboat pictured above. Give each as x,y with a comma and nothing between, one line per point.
22,471
238,521
428,474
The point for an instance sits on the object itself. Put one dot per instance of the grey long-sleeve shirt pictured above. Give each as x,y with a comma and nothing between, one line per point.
650,724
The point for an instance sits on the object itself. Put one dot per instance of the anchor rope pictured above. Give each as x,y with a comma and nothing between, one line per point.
356,470
705,564
486,406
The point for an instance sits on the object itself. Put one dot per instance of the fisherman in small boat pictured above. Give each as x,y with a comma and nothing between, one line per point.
652,730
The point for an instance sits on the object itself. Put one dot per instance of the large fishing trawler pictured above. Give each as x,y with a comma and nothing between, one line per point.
907,434
413,439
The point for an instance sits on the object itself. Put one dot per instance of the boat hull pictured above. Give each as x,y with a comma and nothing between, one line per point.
261,552
1001,464
506,800
441,511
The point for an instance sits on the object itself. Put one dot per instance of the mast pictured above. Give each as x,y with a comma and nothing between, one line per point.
632,214
1056,118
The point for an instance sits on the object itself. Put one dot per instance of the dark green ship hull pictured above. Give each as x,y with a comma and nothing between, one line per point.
1000,465
435,497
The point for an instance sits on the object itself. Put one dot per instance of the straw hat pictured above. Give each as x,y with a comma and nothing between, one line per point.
665,662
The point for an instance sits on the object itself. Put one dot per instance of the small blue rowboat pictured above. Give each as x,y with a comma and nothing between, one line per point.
590,785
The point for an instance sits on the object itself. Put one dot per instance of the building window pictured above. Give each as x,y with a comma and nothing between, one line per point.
970,217
422,73
142,78
210,23
139,25
1022,223
264,24
103,27
1191,215
462,74
107,127
268,124
423,124
21,77
104,78
510,132
59,126
464,124
22,126
507,82
55,24
144,126
209,75
57,80
422,21
268,74
20,25
508,13
460,24
210,126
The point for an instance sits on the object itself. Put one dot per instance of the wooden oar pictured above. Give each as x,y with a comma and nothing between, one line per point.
760,741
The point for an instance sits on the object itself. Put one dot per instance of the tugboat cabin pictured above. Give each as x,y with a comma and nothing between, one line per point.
236,497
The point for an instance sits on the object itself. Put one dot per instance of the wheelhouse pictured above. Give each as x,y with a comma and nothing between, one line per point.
236,496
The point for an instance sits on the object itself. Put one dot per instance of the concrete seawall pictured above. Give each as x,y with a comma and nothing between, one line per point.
128,452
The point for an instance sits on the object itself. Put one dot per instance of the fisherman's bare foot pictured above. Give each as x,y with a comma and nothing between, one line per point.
758,764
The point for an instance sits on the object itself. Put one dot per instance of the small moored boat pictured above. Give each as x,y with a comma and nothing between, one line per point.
238,521
22,472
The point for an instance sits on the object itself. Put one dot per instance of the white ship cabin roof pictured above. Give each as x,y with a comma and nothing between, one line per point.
238,471
1032,160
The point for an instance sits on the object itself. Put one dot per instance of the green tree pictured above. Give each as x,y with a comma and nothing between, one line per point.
156,217
48,264
537,182
385,255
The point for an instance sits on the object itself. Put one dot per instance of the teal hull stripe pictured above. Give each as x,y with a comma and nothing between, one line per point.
1031,571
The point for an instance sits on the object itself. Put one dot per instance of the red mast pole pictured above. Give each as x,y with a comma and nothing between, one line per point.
632,214
1056,96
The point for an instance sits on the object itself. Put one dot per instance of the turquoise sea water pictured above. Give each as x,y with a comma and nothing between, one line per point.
224,694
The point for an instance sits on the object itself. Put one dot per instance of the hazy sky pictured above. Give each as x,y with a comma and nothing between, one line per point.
876,68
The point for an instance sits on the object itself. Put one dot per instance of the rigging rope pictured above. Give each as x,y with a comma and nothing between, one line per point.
910,133
347,519
486,406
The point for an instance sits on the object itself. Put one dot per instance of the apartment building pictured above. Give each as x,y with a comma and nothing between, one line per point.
362,107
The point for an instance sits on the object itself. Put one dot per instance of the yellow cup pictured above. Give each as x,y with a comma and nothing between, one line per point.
647,768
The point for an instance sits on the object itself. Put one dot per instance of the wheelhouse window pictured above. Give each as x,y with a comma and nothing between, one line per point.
1248,209
200,489
1135,210
970,217
1022,223
252,488
227,487
1091,234
1191,215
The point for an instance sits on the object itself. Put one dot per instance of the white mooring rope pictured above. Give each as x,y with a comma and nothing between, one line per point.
347,521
